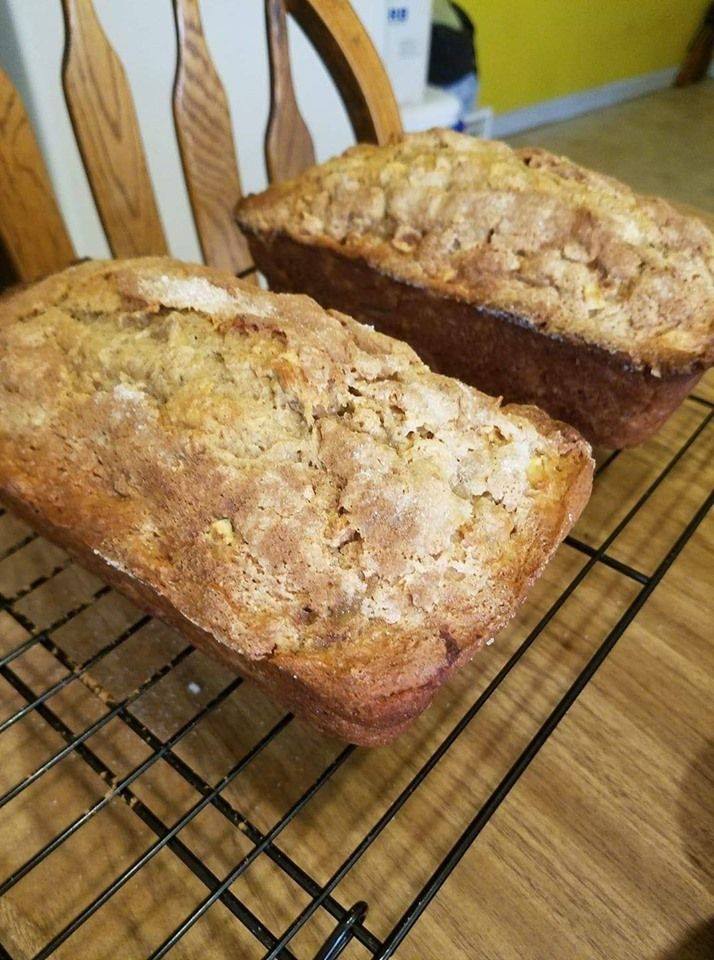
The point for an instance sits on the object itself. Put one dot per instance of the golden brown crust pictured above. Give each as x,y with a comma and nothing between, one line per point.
300,494
598,392
572,253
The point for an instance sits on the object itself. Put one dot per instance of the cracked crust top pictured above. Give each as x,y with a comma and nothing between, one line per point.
572,252
291,481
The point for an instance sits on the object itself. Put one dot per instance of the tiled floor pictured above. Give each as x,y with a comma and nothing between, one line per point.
661,144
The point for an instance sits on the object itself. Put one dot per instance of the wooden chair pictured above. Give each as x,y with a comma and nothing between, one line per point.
33,236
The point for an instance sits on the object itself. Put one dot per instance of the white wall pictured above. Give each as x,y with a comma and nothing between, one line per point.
142,33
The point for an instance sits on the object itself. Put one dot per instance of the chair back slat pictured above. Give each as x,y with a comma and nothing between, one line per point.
343,44
105,125
288,145
33,237
32,231
205,138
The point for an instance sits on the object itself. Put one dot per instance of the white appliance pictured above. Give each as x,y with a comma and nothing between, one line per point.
405,47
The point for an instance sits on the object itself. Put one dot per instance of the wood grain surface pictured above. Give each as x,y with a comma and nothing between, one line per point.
606,848
341,41
288,145
205,138
32,230
105,125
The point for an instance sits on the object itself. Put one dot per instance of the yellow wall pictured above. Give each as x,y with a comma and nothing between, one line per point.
532,50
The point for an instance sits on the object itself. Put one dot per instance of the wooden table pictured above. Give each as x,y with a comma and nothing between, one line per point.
601,848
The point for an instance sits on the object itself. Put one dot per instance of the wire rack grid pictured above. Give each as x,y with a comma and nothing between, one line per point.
44,617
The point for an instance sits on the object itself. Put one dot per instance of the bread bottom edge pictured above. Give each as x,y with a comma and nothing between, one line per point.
325,712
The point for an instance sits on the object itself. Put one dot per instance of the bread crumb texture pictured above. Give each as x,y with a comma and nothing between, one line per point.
573,253
290,480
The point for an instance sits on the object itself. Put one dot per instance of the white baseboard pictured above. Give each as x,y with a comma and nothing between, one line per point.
563,108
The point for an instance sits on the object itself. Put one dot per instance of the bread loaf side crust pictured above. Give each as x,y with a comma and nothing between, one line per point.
572,253
600,393
297,494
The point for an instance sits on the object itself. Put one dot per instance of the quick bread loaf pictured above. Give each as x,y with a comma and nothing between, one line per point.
297,493
515,270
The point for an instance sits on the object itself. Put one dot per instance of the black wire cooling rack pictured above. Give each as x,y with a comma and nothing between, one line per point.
351,921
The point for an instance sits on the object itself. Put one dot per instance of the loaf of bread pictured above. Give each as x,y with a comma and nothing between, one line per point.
297,493
515,270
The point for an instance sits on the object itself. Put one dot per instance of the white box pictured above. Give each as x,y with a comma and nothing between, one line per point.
407,39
